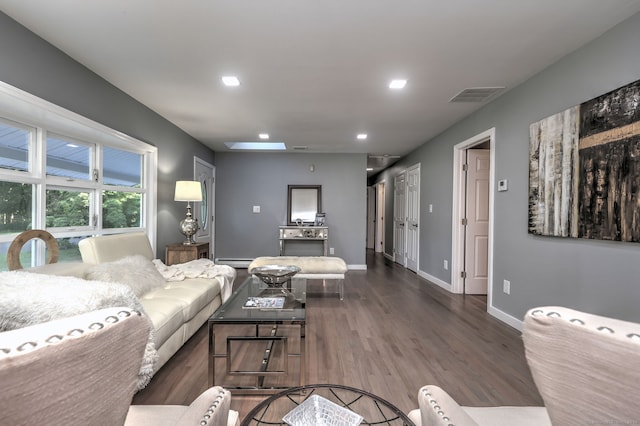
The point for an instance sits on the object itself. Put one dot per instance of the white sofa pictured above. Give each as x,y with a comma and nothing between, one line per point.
176,310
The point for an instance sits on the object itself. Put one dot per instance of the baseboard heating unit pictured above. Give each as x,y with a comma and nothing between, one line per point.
235,262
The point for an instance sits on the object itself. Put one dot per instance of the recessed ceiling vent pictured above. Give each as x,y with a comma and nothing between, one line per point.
300,148
476,94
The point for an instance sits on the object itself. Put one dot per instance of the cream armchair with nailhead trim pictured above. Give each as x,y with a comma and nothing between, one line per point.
83,370
585,366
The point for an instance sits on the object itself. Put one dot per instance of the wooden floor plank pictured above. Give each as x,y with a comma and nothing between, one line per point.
393,333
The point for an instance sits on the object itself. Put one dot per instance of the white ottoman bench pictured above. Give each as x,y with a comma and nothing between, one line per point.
311,267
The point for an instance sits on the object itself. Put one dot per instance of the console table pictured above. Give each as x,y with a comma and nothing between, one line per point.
305,233
181,253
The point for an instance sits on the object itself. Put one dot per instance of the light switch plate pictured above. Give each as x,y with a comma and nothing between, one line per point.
502,185
256,209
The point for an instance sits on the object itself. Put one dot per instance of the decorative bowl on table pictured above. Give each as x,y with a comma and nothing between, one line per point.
319,411
275,275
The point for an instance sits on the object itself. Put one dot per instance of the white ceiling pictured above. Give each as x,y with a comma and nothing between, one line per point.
315,73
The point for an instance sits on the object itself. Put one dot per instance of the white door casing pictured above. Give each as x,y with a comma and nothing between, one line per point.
413,217
205,211
477,218
400,218
457,238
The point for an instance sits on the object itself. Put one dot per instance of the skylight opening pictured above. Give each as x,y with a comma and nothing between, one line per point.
257,146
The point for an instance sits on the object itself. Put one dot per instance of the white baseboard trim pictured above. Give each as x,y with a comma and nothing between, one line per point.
506,318
435,280
388,256
236,263
357,267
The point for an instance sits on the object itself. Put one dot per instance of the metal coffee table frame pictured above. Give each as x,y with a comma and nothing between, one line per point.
233,313
381,412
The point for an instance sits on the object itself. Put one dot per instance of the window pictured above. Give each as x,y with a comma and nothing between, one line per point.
121,209
68,159
69,175
15,207
14,146
67,208
122,168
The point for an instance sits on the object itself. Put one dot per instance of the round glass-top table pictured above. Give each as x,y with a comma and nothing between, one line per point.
373,409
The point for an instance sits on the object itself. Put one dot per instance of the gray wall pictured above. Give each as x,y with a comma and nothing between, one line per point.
244,180
596,276
33,65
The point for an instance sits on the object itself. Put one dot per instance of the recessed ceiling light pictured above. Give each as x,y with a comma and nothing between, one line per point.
369,169
263,135
361,136
397,84
257,146
230,80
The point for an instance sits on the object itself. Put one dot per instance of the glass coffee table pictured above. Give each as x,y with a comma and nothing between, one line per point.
373,409
254,350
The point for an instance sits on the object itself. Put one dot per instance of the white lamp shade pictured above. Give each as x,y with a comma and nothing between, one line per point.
188,190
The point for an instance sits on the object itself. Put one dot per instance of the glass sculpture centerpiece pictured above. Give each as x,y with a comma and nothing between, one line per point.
275,275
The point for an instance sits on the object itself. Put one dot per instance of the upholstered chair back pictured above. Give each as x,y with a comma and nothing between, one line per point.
586,367
211,408
437,408
80,370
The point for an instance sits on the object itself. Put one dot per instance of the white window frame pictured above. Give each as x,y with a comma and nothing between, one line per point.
31,112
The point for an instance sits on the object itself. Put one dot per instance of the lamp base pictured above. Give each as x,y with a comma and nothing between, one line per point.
189,226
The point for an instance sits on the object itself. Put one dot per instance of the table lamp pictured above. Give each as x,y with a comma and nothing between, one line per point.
187,190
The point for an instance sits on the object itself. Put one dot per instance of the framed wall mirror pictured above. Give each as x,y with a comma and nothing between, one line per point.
303,203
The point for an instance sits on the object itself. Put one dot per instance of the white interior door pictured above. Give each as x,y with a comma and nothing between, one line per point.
399,219
413,217
477,215
205,173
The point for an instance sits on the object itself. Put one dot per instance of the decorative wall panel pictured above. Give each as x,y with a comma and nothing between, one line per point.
584,169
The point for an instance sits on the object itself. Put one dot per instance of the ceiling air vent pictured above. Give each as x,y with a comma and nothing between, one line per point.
476,94
300,148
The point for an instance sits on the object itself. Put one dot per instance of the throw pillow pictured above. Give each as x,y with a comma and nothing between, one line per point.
136,272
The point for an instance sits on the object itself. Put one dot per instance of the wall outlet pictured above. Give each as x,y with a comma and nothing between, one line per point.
430,208
446,265
506,287
332,250
256,209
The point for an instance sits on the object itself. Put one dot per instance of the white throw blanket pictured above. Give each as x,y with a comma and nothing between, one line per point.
199,268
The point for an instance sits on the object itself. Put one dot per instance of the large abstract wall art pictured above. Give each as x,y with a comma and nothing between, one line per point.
584,169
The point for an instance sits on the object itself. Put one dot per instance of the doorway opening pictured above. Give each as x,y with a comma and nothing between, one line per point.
205,173
380,212
473,195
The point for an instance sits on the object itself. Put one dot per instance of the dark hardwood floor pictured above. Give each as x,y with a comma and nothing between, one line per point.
393,333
